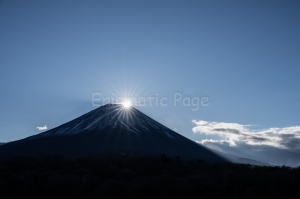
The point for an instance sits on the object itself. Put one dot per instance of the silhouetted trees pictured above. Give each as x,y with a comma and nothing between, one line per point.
142,177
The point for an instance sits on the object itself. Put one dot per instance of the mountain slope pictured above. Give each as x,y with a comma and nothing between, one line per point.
241,160
110,129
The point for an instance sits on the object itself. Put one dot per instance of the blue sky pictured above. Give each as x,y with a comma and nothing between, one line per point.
242,55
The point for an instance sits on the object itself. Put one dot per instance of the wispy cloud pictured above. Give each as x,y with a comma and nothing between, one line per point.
40,128
286,138
274,145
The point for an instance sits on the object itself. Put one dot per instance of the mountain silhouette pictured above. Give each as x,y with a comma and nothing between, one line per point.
110,130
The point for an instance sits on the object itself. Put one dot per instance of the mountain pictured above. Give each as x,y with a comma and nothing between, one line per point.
110,130
240,160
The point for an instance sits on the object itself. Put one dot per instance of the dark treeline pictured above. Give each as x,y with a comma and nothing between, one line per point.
142,177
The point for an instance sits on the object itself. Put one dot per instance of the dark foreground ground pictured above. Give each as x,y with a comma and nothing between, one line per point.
142,177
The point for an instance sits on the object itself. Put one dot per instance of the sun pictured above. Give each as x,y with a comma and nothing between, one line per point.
126,104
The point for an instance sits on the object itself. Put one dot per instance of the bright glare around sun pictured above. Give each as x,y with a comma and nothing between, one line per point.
126,104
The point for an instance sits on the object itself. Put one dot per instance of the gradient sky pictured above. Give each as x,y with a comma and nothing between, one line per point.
242,55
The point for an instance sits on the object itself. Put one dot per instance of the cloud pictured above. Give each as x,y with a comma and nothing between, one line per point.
41,128
285,138
274,145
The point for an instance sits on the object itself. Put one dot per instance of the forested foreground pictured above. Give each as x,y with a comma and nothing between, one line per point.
142,177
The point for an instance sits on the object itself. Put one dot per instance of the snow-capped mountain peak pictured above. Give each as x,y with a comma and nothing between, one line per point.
109,116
